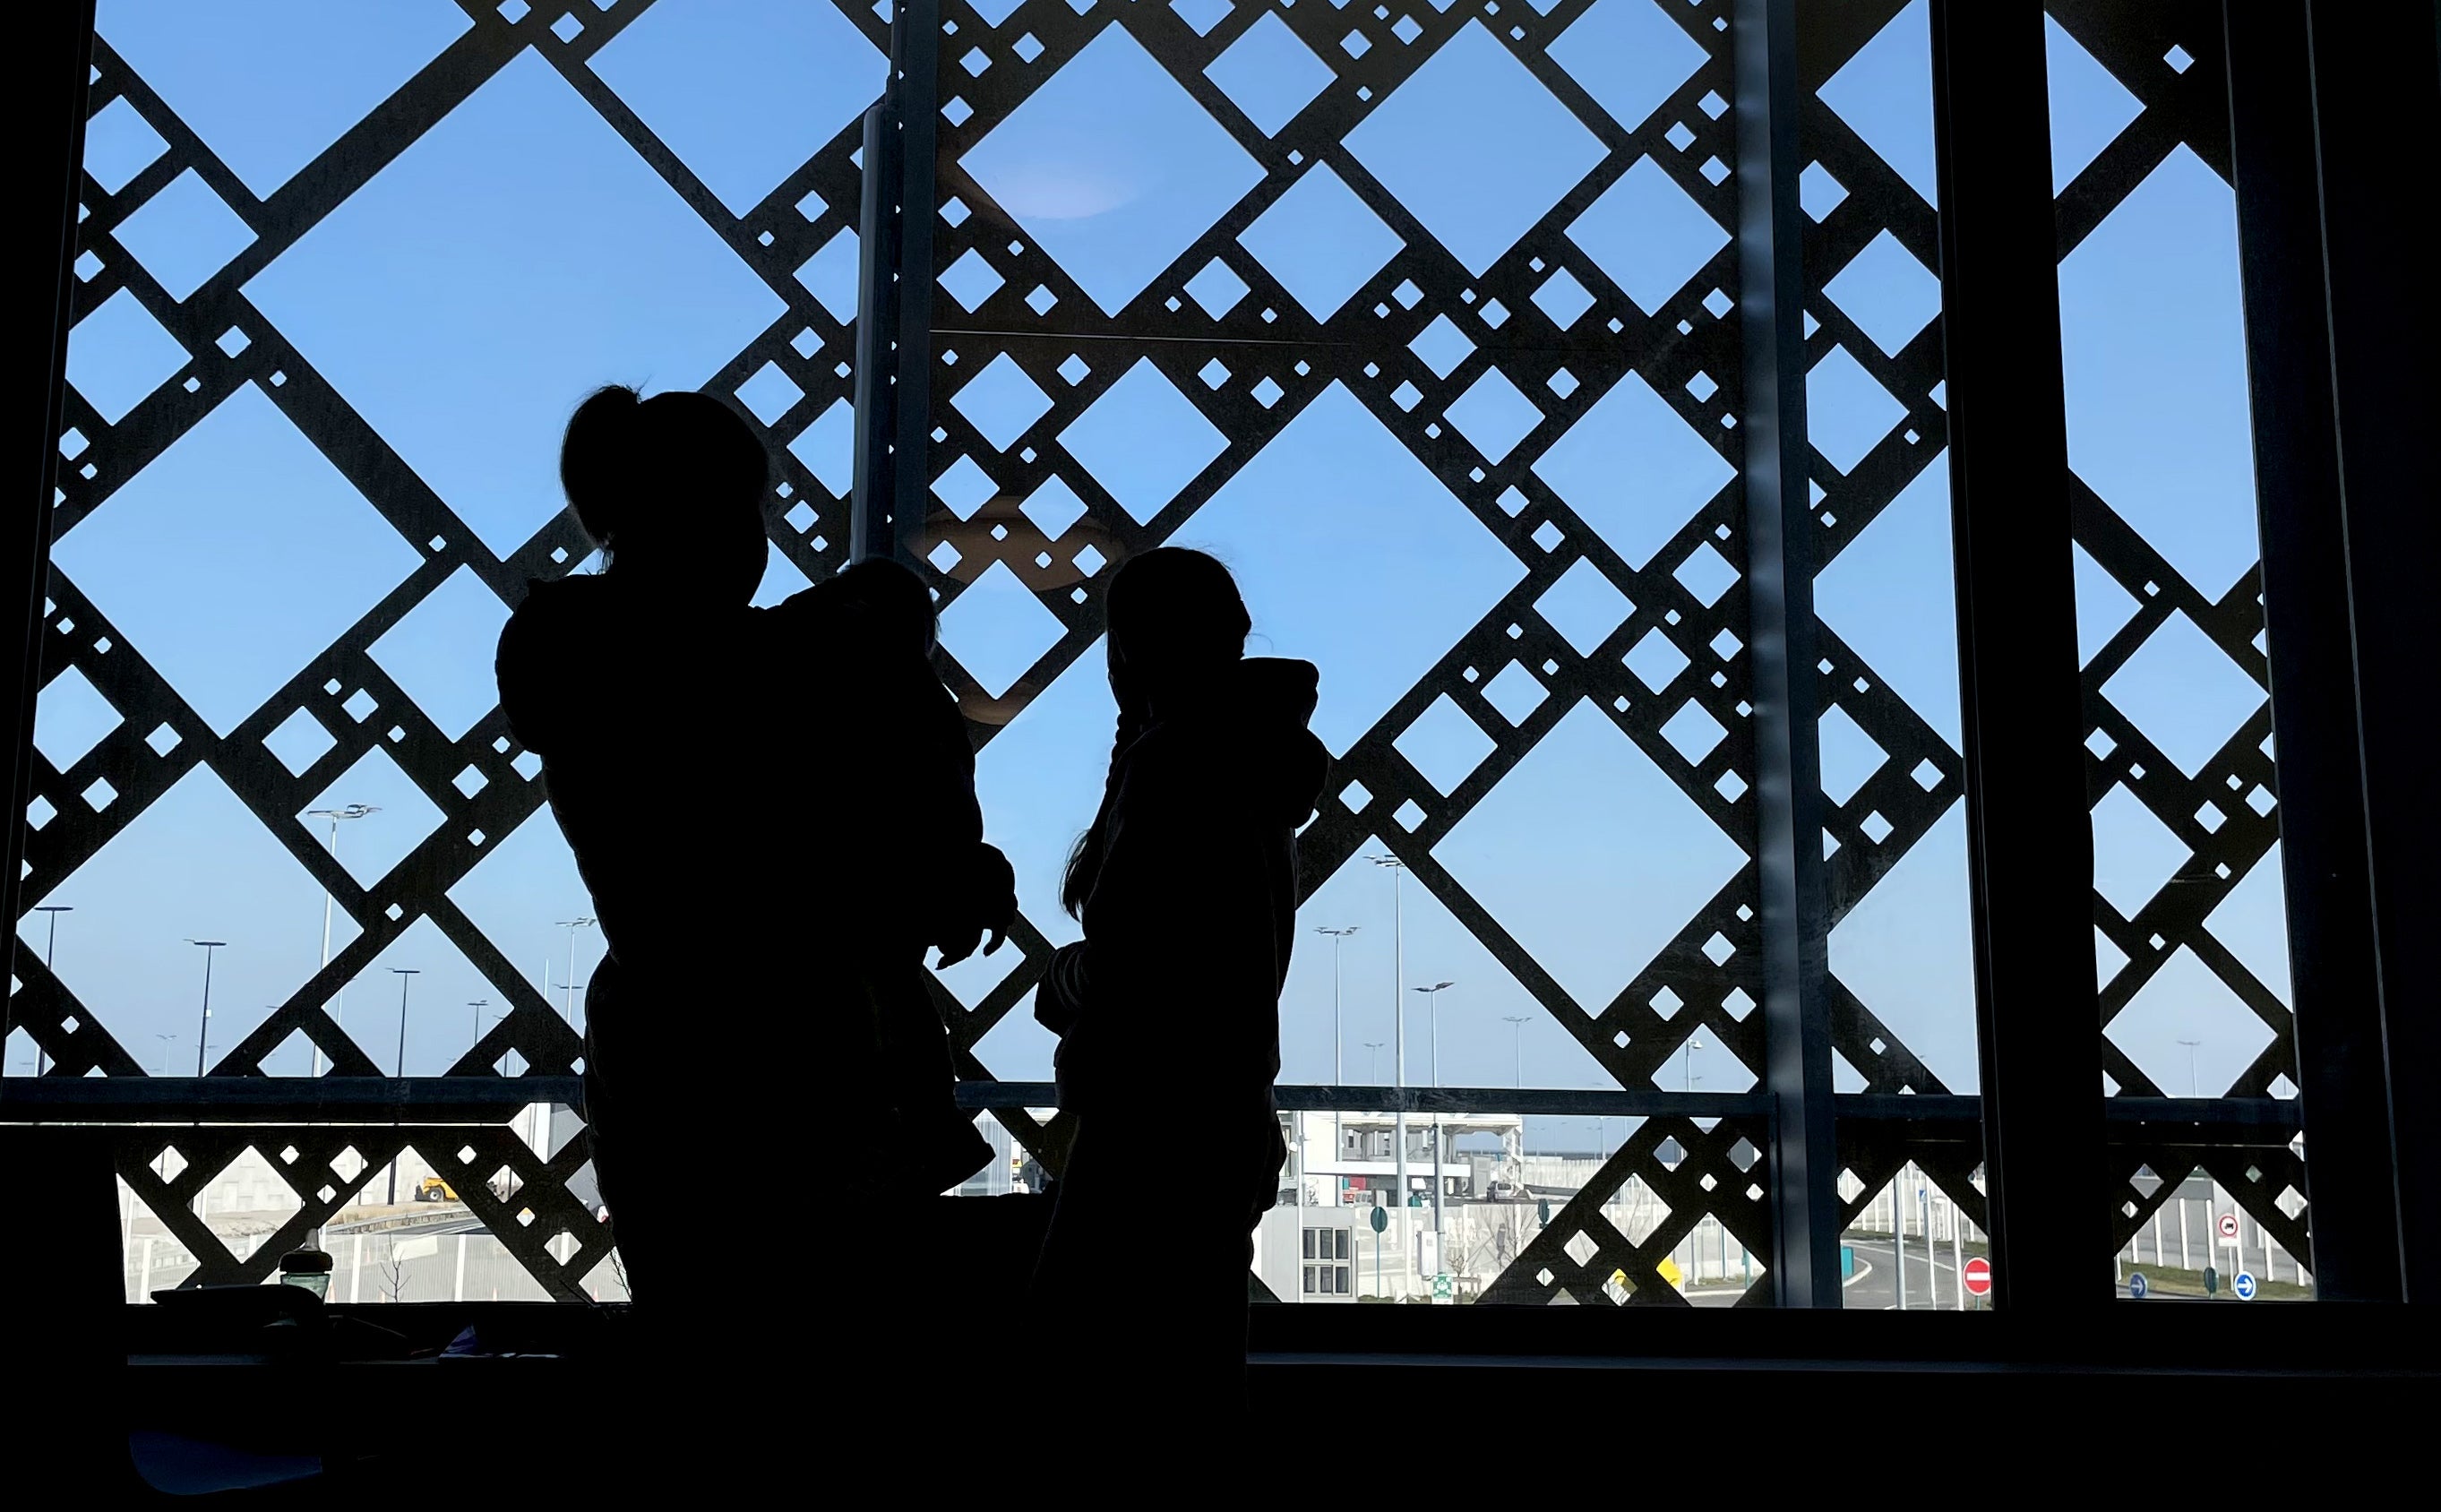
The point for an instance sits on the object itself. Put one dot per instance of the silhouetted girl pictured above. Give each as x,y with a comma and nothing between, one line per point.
1168,1009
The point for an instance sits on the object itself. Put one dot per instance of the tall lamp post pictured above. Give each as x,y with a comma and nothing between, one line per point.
479,1004
568,1003
1398,1020
406,975
50,949
1338,1071
1517,1072
2212,1184
1432,996
352,811
1517,1079
204,1032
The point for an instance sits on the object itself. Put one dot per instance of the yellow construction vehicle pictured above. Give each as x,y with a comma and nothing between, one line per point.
433,1189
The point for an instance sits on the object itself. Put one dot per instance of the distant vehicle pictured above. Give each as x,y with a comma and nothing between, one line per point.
433,1189
1504,1192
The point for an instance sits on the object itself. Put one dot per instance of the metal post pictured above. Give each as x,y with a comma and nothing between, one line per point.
1898,1238
894,348
50,953
1957,1252
1433,997
406,975
1780,551
203,1030
1338,1069
350,811
2030,840
1398,1025
2377,91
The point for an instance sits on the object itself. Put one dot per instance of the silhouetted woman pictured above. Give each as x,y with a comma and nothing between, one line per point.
659,698
1168,1009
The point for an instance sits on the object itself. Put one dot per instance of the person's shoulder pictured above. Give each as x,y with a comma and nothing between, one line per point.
559,620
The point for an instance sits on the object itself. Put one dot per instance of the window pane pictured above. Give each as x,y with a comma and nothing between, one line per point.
1901,946
1462,421
318,371
2191,930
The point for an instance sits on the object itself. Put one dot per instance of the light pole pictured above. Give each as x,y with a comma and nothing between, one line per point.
203,1033
479,1004
352,811
1687,1063
1338,1073
1519,1021
1372,1075
2212,1184
406,975
1432,996
568,1003
1398,1021
51,949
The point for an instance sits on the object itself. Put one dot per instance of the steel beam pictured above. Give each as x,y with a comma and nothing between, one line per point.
893,391
2030,842
1780,551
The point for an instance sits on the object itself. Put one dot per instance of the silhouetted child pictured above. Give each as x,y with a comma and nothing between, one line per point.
908,844
1186,887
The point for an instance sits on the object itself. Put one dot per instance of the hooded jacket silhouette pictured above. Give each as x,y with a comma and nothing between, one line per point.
1191,913
1170,1008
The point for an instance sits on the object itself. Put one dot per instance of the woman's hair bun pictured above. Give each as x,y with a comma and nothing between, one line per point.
624,455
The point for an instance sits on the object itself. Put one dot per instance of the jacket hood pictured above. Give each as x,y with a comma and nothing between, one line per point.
1262,704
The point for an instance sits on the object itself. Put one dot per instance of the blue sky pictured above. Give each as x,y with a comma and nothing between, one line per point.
521,255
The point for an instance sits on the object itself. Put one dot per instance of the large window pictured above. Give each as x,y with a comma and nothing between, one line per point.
1428,319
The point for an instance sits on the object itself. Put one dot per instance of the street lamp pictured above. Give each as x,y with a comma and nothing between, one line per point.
51,949
406,975
1517,1075
567,1005
1687,1063
1398,1016
1433,1049
479,1004
203,1033
352,811
1432,996
1338,1073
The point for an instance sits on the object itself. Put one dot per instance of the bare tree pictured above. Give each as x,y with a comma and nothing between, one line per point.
391,1267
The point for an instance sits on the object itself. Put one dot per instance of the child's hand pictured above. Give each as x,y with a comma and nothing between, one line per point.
960,943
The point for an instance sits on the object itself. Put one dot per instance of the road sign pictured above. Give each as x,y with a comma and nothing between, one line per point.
2211,1282
1978,1276
1380,1219
2136,1284
1442,1290
2229,1228
2244,1286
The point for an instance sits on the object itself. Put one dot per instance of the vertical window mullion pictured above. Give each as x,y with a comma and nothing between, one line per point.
2030,844
1780,573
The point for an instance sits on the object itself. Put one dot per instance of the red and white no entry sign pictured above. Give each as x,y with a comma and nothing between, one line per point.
1978,1276
2229,1224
